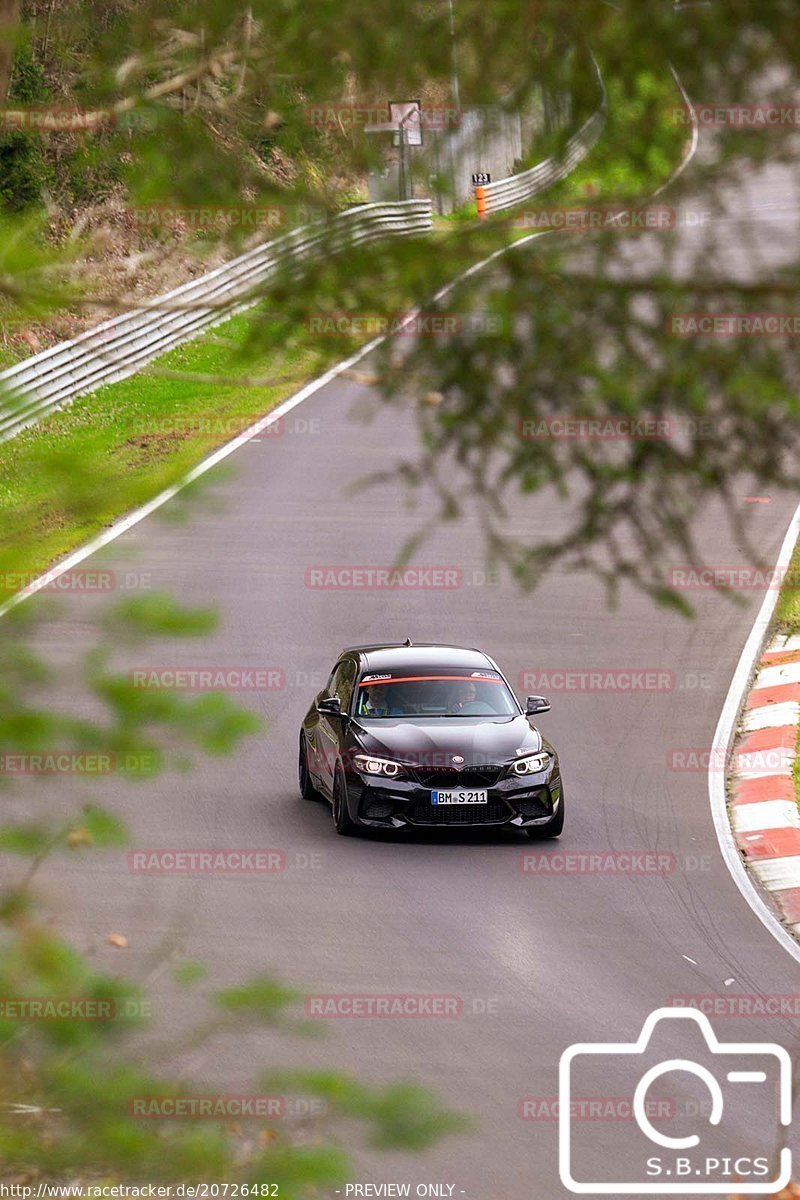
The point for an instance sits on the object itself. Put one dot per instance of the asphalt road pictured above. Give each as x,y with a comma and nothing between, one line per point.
539,960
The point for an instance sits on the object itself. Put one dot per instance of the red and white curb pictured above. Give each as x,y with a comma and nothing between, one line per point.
763,805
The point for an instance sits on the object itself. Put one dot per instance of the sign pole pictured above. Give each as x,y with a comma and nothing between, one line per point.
402,163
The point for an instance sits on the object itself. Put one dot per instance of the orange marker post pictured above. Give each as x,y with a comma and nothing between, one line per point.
480,202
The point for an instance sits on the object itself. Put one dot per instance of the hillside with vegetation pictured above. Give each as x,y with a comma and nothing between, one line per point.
206,116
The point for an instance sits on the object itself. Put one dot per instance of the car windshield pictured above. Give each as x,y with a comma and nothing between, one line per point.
455,694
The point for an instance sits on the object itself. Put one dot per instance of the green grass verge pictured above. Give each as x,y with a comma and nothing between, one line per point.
639,148
787,612
787,621
67,478
640,145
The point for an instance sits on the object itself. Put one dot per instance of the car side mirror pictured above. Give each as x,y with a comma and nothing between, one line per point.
535,705
331,705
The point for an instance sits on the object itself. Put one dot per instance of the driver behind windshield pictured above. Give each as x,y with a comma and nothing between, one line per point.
464,693
374,701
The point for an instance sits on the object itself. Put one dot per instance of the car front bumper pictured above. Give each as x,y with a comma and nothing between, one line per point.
521,802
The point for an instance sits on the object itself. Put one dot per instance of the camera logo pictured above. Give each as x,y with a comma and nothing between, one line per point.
729,1078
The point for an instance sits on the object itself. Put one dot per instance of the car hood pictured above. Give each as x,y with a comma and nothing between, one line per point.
478,740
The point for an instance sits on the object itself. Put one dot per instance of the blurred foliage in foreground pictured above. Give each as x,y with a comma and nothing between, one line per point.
210,106
83,1090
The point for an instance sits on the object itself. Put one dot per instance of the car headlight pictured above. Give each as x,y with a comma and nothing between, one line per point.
532,764
372,765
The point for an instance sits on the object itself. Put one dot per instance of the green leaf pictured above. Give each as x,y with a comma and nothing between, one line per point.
27,841
104,827
189,973
159,615
263,998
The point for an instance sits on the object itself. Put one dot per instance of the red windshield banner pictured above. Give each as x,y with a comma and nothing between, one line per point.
374,680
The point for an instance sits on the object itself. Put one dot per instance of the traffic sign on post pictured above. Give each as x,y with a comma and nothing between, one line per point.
406,117
405,125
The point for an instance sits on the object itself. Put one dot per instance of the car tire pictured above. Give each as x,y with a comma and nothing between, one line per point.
307,789
342,821
552,829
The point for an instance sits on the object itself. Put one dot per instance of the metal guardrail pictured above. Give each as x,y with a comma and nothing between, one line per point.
124,344
509,193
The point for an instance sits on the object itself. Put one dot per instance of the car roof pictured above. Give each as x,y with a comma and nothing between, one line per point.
424,656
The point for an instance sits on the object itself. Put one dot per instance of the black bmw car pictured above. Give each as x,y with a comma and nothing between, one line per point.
424,735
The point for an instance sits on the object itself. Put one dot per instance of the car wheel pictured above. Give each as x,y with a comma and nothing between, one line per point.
307,789
342,821
552,829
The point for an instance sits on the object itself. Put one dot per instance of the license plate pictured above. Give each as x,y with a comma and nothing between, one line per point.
460,796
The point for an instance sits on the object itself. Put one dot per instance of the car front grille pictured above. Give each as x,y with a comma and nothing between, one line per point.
448,777
425,813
